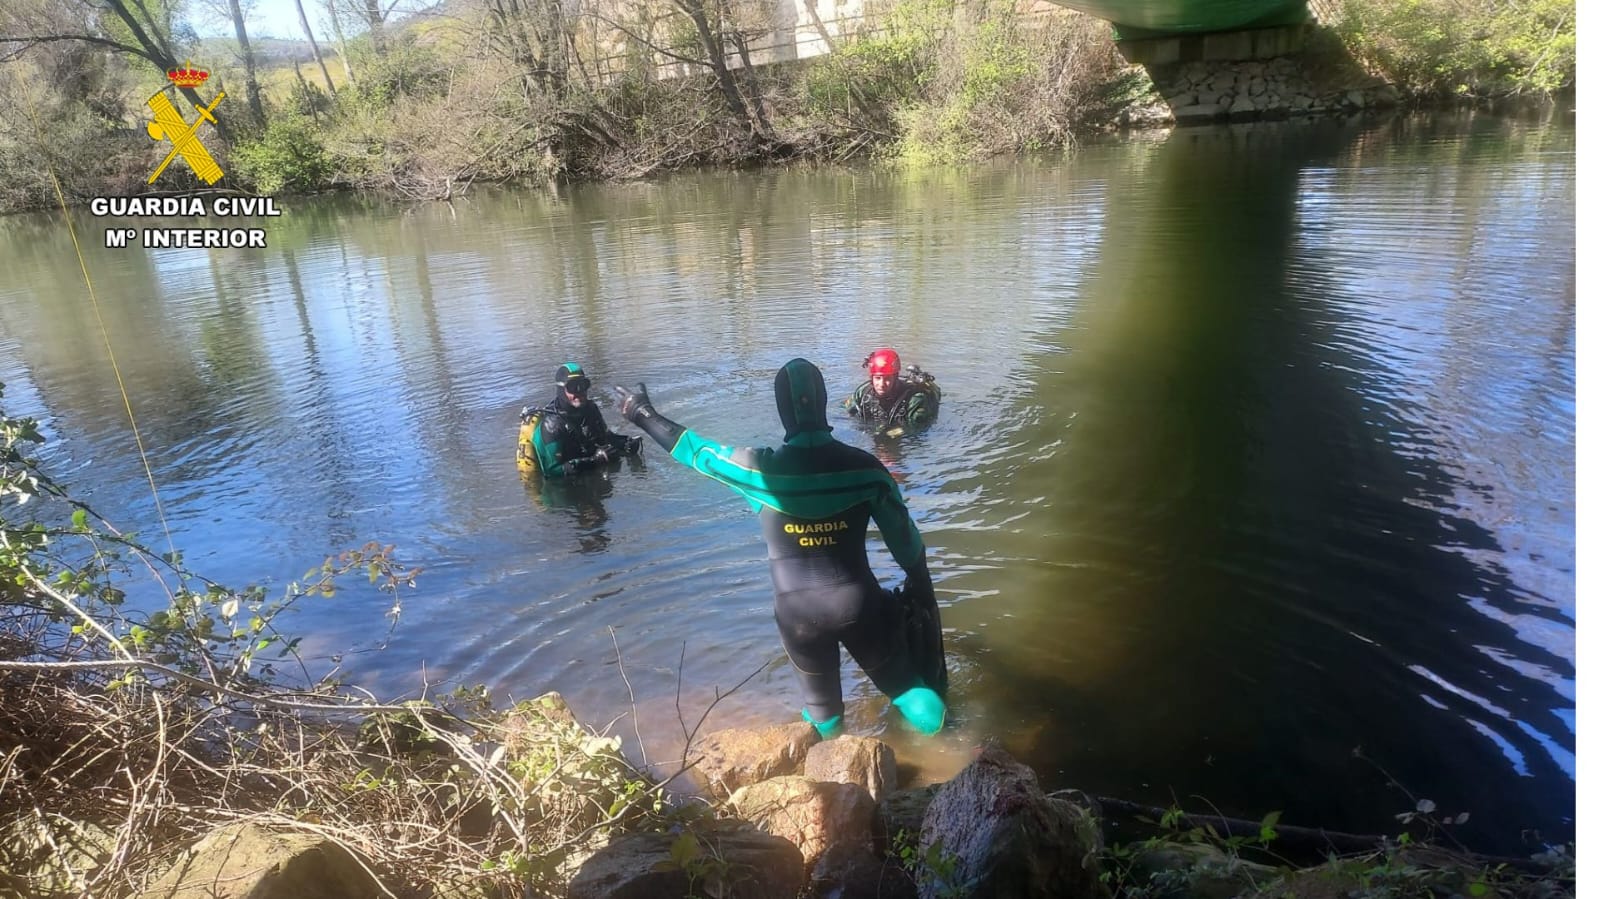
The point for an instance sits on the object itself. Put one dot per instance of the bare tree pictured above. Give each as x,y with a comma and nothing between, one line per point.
374,24
338,36
252,87
316,51
710,21
535,35
714,43
149,28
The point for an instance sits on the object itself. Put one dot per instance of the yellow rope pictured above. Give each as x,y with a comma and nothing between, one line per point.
104,335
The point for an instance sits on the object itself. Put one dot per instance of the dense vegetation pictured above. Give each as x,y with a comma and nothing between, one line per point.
1440,48
503,89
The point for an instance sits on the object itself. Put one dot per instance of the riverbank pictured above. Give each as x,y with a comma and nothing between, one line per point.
162,754
467,803
429,114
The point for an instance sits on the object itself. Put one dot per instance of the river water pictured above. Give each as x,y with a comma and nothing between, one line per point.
1257,446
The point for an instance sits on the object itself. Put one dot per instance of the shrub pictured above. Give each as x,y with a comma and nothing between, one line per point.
288,156
1440,47
1013,83
405,69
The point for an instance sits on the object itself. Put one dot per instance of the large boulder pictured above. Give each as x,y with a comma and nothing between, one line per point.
729,759
50,856
811,815
851,872
244,861
732,864
904,810
991,833
863,761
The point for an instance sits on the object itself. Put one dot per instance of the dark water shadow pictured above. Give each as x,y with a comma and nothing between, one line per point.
1274,575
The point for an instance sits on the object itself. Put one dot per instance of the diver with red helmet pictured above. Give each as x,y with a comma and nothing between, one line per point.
888,398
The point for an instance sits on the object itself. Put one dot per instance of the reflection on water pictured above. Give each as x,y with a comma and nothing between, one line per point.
1256,445
581,499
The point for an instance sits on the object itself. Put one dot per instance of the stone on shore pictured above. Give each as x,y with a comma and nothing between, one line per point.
991,833
729,759
733,864
246,861
864,761
812,815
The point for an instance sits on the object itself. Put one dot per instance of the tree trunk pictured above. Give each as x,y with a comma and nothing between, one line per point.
819,25
712,42
755,98
305,86
374,25
511,35
552,33
156,49
315,50
252,87
338,36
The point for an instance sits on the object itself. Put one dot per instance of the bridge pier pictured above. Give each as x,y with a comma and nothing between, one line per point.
1258,73
1227,46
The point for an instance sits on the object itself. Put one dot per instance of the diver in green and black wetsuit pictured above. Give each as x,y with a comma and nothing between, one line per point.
815,495
569,435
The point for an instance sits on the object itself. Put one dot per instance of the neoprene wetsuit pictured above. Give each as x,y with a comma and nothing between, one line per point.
568,436
912,404
815,496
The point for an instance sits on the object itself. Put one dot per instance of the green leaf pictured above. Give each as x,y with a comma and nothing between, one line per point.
1268,826
1477,888
685,849
80,520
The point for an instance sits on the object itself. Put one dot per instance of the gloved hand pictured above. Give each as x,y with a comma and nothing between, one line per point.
637,409
635,403
602,455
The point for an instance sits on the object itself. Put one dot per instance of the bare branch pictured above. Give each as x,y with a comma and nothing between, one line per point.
200,683
649,44
31,40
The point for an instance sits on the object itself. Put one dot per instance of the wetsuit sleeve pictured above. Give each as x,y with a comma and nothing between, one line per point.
597,424
899,531
921,408
736,467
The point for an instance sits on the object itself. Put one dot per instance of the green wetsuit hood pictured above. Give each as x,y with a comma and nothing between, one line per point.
801,401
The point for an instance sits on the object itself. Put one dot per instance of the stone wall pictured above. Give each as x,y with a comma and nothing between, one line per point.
1244,90
1261,73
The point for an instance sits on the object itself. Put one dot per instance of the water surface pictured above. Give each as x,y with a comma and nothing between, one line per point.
1257,446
